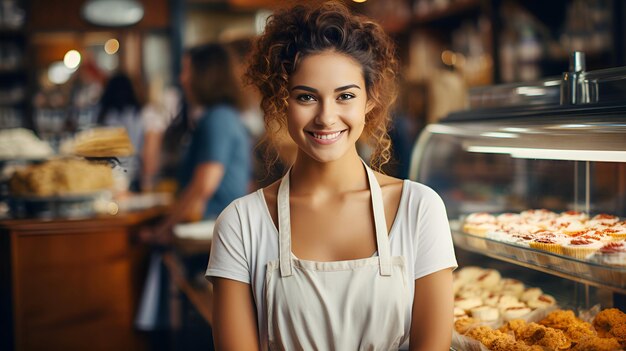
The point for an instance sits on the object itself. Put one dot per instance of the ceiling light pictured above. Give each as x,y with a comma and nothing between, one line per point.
113,13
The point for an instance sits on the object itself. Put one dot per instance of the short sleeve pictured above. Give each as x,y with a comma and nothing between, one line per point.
228,249
215,135
434,251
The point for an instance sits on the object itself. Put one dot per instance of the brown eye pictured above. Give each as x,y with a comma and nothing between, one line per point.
346,96
305,98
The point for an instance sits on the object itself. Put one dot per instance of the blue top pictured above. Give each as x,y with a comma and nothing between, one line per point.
219,136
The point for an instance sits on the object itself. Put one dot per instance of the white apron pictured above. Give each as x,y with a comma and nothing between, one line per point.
343,305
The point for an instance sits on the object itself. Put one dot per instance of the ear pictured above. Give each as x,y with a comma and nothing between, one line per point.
369,106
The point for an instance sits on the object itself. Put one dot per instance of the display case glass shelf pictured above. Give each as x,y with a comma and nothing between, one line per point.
589,271
556,144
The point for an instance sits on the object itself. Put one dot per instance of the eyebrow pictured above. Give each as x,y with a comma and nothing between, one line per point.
313,90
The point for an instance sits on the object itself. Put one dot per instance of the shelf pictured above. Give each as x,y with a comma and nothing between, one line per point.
586,272
458,8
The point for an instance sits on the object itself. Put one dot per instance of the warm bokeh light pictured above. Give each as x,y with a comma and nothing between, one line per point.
359,0
111,46
448,57
71,59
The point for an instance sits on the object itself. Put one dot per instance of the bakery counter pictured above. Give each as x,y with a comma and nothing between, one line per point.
72,284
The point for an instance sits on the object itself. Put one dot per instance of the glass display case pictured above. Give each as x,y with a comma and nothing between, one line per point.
557,144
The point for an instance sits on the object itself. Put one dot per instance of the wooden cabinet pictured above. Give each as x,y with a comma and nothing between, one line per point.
71,284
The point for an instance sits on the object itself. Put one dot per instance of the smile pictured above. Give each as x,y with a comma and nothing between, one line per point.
325,137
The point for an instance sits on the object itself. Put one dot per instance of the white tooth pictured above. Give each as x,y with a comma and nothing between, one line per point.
326,136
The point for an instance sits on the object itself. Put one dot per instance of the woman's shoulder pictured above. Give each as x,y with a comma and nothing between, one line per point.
250,205
421,195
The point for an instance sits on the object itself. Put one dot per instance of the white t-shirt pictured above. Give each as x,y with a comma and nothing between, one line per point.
245,239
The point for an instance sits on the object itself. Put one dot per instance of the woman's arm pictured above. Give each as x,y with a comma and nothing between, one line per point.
234,317
150,158
433,311
206,178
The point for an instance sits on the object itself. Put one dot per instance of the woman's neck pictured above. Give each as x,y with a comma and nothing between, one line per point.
309,176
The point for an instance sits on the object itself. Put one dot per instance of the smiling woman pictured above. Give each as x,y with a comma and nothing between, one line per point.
334,256
327,106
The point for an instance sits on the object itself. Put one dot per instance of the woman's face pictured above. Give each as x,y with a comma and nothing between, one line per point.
327,105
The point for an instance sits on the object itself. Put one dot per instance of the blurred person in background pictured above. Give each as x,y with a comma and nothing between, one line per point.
119,106
215,167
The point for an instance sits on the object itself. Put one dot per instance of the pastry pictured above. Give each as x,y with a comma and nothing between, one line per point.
531,294
541,302
61,177
515,312
467,303
581,247
485,313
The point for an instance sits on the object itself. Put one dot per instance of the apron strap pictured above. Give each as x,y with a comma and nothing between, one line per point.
380,223
284,227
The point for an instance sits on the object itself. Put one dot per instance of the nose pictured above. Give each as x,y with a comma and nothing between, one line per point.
327,115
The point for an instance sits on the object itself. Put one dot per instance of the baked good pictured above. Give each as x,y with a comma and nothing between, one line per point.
467,303
581,247
537,334
489,279
612,253
594,343
510,286
459,313
611,323
61,177
531,294
21,143
485,313
603,219
100,142
515,312
541,302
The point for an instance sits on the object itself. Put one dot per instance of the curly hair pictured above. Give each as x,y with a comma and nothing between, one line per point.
292,34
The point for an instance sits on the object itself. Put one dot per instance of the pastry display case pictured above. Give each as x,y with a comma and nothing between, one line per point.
548,158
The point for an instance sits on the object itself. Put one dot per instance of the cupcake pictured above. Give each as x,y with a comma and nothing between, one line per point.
603,219
546,243
537,215
617,231
479,223
613,253
574,228
508,218
573,216
581,247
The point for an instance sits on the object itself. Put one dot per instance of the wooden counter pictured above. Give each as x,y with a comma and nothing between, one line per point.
71,284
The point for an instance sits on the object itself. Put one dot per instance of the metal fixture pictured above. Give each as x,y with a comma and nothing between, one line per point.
575,88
